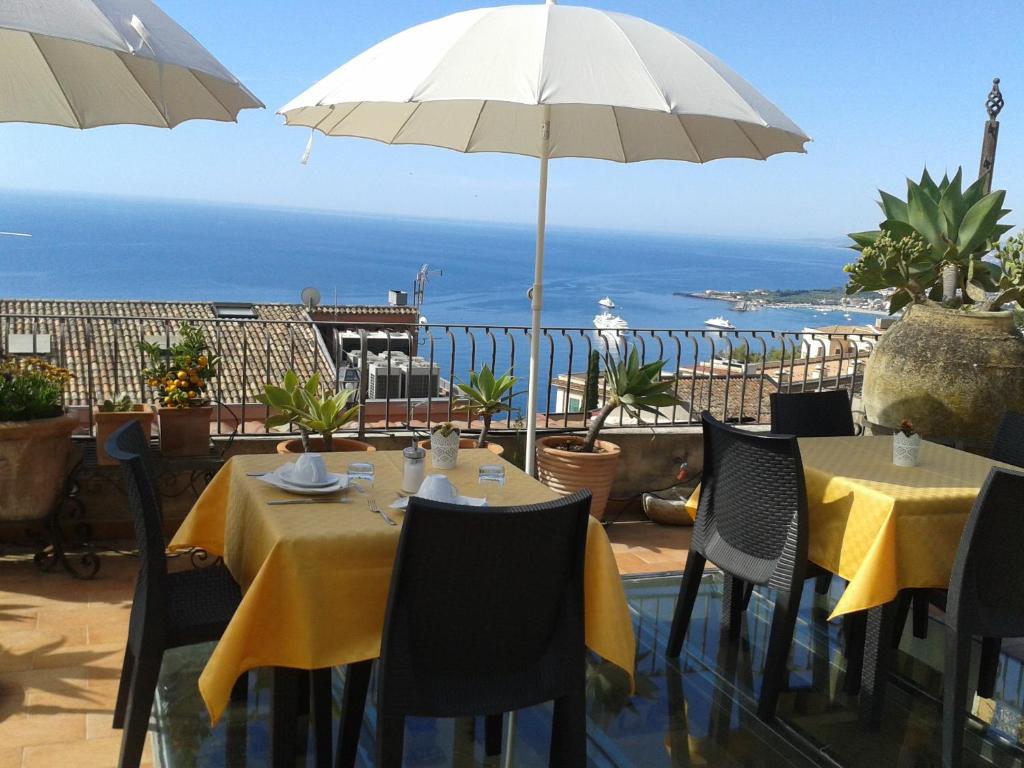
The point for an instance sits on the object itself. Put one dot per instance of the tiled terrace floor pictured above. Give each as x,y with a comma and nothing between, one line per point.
62,641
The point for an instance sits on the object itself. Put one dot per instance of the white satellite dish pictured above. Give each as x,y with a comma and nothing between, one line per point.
310,297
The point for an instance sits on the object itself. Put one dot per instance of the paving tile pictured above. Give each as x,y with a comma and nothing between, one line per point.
91,753
26,731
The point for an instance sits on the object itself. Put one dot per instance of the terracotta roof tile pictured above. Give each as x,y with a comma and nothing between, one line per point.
99,342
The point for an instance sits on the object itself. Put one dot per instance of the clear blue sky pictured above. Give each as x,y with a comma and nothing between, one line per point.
883,87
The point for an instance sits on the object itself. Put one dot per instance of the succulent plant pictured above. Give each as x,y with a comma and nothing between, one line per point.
486,395
301,404
956,226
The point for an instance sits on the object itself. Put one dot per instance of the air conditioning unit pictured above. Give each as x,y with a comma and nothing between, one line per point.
421,378
385,383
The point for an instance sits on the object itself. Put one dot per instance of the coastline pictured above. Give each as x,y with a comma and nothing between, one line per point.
752,301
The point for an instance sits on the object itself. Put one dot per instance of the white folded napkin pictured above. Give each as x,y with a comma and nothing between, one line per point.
468,501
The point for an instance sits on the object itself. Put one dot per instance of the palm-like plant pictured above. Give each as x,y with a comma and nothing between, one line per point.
486,395
956,229
300,404
634,387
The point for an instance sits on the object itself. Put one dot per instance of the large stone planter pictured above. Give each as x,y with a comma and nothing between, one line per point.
33,464
185,431
338,445
953,374
565,471
107,423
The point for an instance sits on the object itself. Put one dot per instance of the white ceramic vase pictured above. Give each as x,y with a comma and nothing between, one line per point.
444,450
905,449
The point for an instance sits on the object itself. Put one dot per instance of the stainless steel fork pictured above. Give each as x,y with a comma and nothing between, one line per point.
372,504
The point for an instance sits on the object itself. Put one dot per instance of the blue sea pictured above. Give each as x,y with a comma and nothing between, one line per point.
119,248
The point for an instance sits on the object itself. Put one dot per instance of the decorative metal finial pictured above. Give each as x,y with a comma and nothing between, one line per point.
994,102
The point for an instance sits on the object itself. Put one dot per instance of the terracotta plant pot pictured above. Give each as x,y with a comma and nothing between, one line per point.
468,442
107,423
185,431
952,374
565,471
33,465
338,445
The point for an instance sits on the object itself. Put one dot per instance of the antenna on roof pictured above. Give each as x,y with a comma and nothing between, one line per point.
310,297
419,286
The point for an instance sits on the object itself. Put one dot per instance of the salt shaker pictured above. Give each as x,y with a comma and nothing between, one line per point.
413,468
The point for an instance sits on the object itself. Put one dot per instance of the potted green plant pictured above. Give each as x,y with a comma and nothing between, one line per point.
485,395
111,414
954,362
568,463
443,445
180,378
301,404
35,436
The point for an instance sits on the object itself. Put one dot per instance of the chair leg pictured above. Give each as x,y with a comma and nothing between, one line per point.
390,740
787,604
240,691
903,602
492,734
854,635
920,615
954,695
357,682
732,606
569,732
323,714
684,603
823,583
990,647
127,670
138,708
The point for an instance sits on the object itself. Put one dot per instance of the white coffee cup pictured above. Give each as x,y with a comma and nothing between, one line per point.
310,469
437,488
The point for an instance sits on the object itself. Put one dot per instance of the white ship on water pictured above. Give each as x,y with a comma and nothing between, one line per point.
609,335
720,323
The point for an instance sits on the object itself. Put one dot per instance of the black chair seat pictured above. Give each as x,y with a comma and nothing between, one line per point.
200,603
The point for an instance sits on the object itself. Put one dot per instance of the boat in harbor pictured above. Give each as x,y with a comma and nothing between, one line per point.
607,303
720,323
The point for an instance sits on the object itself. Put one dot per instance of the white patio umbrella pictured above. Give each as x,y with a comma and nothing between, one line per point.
84,63
547,81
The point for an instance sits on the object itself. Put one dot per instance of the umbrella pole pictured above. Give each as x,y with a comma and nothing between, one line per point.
537,295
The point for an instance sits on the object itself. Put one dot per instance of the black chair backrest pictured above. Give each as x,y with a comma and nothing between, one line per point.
128,445
812,414
752,516
485,613
1008,446
986,588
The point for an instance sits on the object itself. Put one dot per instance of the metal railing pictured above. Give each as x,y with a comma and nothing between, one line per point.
730,373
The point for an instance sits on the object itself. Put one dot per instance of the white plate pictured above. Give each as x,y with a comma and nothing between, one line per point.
338,483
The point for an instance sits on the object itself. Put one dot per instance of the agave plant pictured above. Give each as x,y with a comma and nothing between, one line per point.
486,395
300,404
937,226
634,387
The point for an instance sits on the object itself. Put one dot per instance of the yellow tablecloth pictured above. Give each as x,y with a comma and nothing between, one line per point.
881,527
315,577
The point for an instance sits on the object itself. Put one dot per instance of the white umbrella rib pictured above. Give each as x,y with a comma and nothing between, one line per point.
618,131
227,111
760,152
476,123
405,122
643,64
689,138
162,111
60,85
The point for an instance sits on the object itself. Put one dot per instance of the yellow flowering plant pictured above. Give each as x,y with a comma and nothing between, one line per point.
180,375
31,388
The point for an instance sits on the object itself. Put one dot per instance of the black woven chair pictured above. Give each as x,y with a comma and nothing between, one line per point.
169,610
751,523
1008,447
485,616
812,414
986,594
